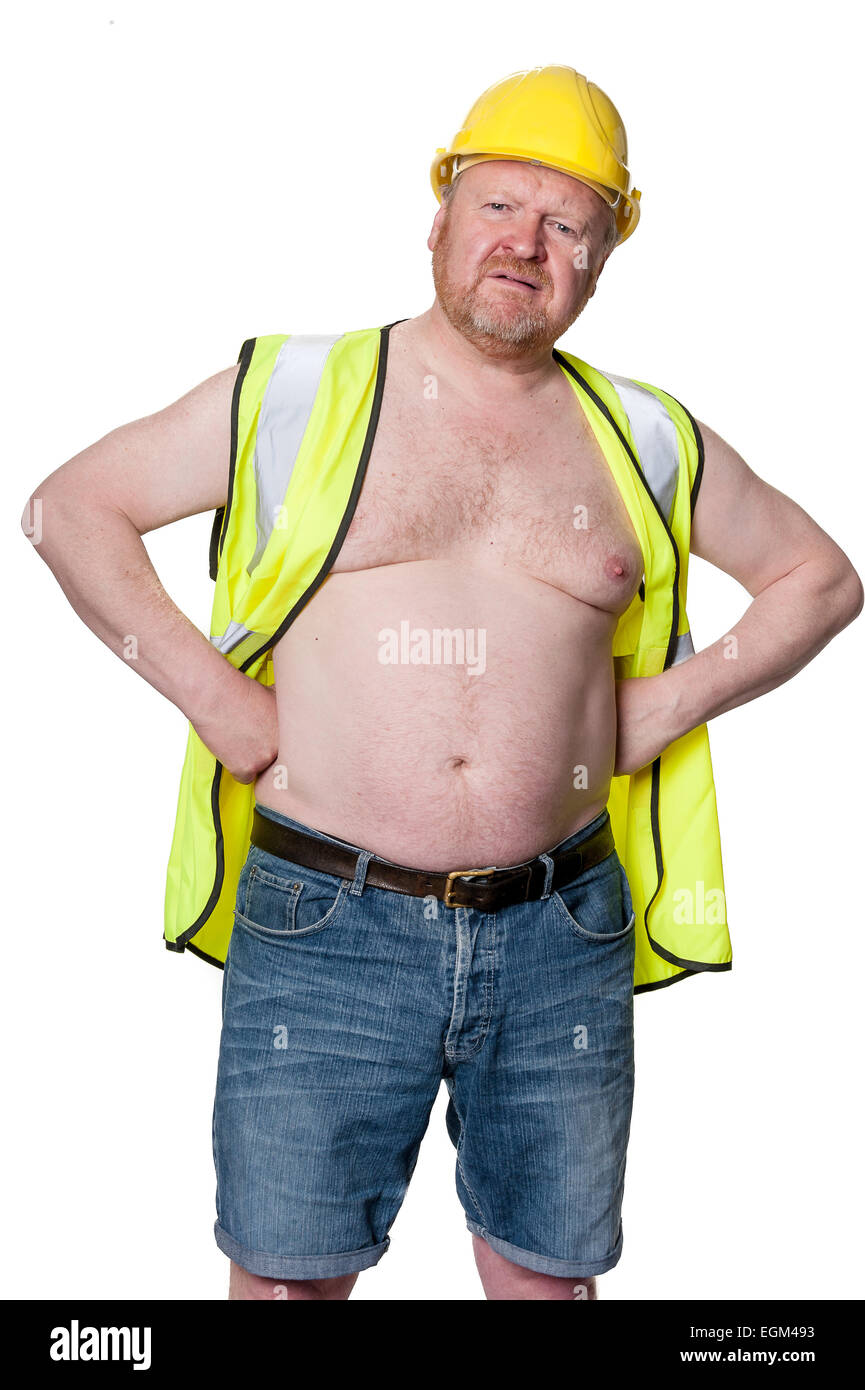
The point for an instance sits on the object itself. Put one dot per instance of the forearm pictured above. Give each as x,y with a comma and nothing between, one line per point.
102,566
783,629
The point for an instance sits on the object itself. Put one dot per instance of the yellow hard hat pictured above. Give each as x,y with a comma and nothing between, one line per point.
552,116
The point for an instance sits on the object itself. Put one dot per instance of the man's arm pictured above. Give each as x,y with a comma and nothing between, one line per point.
86,520
804,590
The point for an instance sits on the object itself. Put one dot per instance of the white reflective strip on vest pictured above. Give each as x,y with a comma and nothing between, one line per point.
684,648
654,435
285,411
232,637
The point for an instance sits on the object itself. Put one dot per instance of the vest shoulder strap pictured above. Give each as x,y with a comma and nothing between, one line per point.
665,435
685,426
286,406
654,434
285,410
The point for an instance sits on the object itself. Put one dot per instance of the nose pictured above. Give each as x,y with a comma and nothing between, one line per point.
523,239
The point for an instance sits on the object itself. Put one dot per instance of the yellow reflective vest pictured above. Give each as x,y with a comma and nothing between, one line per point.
303,420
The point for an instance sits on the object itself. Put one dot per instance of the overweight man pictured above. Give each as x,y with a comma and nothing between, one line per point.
430,893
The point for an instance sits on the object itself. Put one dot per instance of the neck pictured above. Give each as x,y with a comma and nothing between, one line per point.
445,352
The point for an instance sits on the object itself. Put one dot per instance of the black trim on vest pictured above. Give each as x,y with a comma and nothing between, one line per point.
213,554
662,984
196,951
184,939
682,975
689,965
211,960
701,453
220,518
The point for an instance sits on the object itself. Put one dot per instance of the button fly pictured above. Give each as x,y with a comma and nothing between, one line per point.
474,968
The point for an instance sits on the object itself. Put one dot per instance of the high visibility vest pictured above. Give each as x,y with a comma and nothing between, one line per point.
304,416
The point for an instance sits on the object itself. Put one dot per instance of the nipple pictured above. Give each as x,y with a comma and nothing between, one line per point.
615,567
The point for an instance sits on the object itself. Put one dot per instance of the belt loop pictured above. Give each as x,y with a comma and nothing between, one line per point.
359,879
548,877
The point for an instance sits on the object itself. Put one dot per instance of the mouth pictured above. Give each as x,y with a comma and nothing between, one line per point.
513,280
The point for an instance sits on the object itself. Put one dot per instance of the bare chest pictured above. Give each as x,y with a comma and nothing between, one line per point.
538,496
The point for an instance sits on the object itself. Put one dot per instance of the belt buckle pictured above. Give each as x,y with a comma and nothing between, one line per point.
462,873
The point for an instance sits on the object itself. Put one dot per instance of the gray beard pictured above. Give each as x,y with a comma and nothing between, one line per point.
515,331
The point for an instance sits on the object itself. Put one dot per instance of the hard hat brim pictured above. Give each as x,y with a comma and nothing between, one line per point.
447,166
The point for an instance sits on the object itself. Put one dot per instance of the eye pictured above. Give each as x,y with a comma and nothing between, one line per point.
565,228
495,205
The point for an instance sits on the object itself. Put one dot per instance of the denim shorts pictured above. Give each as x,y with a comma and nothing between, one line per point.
345,1006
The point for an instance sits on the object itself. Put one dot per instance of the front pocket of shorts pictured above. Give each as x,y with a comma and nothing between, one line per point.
598,909
297,904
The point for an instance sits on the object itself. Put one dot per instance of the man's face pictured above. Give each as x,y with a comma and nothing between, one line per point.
505,218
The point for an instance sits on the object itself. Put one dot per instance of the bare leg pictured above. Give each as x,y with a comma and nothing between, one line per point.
504,1280
243,1285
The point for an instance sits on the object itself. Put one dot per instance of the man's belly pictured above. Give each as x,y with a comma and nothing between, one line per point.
444,713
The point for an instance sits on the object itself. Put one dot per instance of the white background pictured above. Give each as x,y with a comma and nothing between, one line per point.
186,176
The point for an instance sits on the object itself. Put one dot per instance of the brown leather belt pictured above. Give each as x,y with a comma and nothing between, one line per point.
486,890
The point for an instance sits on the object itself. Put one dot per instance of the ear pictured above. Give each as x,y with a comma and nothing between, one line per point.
436,227
596,273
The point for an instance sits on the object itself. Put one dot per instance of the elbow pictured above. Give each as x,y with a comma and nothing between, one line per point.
860,600
42,505
31,518
850,595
